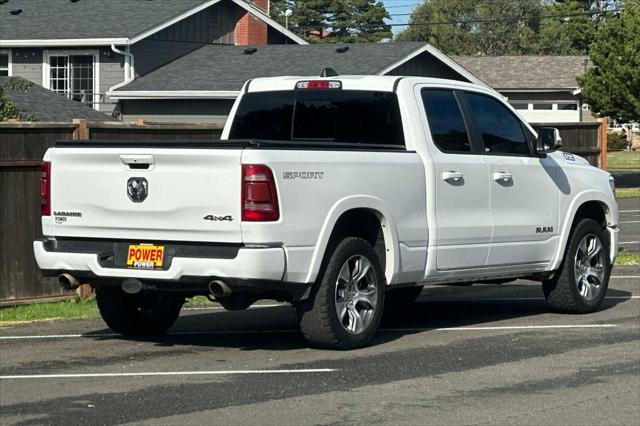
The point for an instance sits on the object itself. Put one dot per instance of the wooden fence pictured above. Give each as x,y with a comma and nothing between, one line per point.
584,139
22,146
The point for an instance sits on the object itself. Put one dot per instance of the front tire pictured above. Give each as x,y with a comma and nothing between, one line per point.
142,314
581,283
346,304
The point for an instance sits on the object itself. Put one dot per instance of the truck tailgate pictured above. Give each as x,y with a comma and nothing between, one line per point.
191,194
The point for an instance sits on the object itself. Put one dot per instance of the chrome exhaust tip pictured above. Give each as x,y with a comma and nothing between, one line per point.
219,289
68,281
132,286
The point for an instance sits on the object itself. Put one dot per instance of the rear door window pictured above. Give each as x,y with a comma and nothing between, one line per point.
500,130
341,116
445,120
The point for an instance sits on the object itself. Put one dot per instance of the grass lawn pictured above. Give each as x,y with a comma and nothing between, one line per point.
197,301
623,160
49,310
65,309
628,258
627,192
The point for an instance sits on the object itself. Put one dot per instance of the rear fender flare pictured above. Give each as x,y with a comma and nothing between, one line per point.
389,232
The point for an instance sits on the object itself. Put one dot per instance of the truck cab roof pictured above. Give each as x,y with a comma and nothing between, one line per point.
385,83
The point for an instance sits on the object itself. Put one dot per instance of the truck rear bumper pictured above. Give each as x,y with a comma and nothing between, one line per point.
250,264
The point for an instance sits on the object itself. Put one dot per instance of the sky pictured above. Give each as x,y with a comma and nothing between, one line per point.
399,10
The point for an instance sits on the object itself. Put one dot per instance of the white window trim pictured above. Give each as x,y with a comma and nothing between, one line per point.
10,64
47,54
554,105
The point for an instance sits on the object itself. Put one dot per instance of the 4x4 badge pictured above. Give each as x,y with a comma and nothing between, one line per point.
137,189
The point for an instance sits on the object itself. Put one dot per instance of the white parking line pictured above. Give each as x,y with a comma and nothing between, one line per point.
285,331
630,221
56,336
628,242
619,277
628,211
509,299
506,327
220,308
166,373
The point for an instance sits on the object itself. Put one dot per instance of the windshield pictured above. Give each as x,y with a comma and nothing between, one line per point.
342,116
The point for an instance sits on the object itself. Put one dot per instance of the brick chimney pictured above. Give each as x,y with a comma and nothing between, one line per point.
249,29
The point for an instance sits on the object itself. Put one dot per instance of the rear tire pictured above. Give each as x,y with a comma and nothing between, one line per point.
402,296
142,314
581,283
346,303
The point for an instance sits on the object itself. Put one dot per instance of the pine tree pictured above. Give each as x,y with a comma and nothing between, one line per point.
334,20
612,86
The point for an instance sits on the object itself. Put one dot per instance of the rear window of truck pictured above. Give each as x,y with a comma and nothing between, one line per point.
341,116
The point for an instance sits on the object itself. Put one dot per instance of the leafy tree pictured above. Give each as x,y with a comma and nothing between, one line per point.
467,27
8,111
501,27
334,20
572,24
612,86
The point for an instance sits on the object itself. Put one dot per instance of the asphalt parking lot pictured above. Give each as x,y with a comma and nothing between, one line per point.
460,355
629,223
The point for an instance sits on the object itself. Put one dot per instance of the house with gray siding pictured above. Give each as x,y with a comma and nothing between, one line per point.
201,85
186,60
86,49
543,89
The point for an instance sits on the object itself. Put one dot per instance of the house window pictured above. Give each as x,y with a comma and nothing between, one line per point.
519,105
5,63
547,107
568,106
72,74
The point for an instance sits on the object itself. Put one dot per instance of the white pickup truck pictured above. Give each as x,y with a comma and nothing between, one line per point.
334,194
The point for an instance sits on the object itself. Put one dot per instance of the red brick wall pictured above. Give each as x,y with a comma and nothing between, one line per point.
249,29
262,4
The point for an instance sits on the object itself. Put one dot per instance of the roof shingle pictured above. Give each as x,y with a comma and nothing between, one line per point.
44,105
63,19
526,72
215,67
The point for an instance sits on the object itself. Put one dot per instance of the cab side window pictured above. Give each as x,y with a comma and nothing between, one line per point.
445,121
501,131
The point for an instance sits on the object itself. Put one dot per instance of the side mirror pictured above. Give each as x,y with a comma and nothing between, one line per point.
549,140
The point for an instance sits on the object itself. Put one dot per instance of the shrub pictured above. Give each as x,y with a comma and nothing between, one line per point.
617,142
8,110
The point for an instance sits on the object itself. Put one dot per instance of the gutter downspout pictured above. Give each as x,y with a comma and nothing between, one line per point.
129,73
129,68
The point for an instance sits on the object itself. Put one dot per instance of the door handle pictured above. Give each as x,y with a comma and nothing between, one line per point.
502,176
137,161
452,175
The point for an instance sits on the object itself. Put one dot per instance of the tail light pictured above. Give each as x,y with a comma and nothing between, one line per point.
259,195
45,189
